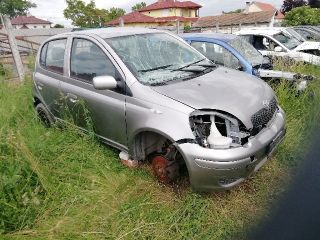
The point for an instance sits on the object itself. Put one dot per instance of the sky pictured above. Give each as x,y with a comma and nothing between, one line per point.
52,10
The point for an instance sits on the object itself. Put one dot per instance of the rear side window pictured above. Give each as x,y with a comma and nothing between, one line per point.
89,61
52,55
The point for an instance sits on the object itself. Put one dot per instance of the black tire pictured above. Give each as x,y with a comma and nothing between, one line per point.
44,116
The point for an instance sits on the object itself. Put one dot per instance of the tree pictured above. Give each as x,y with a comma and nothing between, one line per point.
58,26
302,16
138,6
115,13
85,15
314,3
235,11
13,8
88,15
288,5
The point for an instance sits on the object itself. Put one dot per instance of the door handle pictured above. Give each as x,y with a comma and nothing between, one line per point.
72,98
39,85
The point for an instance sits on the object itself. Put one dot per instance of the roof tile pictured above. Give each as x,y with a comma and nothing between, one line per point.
21,20
164,4
234,19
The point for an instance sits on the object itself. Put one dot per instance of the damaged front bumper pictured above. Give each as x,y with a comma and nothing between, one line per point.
214,169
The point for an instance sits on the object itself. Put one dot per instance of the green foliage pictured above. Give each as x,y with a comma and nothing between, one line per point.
288,5
58,26
302,16
87,15
235,11
138,6
13,8
187,28
115,13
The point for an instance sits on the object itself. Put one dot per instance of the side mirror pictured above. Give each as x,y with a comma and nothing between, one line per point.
104,83
278,49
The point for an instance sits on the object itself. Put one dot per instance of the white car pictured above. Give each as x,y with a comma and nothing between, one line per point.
277,42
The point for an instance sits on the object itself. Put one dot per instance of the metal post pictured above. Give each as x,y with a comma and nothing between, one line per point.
121,22
13,45
178,26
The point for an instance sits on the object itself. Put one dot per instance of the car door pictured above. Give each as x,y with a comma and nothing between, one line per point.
49,72
218,54
268,46
102,111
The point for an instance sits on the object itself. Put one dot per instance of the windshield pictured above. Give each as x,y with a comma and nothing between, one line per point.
288,41
247,51
158,58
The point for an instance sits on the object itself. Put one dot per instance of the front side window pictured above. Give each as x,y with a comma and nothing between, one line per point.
89,61
217,54
52,55
158,58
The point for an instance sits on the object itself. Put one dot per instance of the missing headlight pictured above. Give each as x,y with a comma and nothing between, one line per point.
226,126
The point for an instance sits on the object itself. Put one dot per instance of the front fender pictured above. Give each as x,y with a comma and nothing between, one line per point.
143,116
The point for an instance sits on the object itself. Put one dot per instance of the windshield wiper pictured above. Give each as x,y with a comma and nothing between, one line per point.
194,64
156,68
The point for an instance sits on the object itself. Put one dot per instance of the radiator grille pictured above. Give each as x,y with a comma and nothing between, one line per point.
261,118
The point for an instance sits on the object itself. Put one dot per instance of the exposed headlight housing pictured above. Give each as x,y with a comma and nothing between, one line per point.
218,130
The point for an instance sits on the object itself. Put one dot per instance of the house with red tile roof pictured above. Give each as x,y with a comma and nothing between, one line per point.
29,22
255,14
264,7
161,13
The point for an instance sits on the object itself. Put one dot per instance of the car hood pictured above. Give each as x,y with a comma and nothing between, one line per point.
223,89
308,46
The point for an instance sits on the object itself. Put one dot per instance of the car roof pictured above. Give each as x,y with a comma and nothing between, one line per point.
264,31
111,32
217,36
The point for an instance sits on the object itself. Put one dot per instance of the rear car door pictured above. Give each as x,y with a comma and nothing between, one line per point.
102,111
49,72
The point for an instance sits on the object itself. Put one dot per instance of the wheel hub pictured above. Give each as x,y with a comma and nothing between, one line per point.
166,171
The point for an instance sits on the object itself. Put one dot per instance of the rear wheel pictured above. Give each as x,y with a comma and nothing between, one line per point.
43,115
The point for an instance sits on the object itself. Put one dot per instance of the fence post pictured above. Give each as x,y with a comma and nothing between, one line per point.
13,45
178,26
121,22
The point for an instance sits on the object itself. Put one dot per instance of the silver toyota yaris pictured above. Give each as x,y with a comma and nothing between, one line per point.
155,98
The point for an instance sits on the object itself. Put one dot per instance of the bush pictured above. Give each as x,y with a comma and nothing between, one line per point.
302,16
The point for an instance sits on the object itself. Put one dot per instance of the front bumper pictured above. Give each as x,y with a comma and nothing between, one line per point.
214,169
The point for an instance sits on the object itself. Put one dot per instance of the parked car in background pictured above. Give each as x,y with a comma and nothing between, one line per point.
275,42
306,34
155,98
234,52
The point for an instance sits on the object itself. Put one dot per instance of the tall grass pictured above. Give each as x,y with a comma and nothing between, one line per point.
59,184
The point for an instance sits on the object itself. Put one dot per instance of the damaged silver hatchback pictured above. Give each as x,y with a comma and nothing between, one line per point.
155,98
